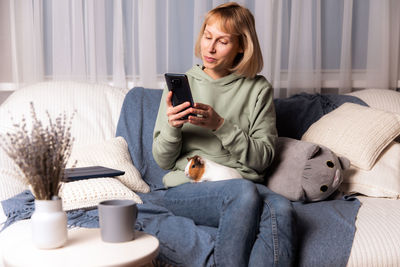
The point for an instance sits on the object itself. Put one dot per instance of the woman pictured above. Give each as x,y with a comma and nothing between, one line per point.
234,126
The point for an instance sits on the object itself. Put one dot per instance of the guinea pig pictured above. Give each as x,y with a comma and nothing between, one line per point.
201,169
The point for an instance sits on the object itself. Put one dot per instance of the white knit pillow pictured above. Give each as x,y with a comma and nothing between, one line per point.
357,132
383,180
11,178
383,99
97,107
88,193
112,153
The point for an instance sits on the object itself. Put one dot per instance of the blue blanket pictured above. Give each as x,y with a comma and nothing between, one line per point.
325,229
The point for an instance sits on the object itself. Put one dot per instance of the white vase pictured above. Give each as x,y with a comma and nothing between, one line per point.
49,224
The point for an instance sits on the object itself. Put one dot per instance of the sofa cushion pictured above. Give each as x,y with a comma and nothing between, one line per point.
382,180
88,193
12,181
112,153
383,99
356,132
97,107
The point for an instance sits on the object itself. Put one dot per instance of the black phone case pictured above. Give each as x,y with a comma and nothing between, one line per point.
179,85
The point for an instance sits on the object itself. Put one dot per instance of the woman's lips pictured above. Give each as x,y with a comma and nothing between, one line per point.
209,59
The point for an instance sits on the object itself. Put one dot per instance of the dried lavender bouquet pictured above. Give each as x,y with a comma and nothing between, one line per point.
41,153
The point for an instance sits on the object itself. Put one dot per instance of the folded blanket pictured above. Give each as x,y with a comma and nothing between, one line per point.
325,231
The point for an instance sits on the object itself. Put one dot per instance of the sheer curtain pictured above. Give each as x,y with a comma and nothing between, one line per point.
307,44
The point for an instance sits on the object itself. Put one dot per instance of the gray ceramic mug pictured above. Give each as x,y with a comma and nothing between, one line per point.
117,220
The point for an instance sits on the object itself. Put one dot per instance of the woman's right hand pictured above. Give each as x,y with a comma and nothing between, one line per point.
175,114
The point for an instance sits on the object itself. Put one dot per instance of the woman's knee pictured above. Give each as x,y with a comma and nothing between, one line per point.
283,206
284,210
244,193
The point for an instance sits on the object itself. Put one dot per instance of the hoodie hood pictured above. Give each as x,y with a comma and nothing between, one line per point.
198,74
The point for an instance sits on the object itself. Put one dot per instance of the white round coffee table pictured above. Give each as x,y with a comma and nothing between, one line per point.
83,248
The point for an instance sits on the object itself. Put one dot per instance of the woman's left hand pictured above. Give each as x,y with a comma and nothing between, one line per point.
208,117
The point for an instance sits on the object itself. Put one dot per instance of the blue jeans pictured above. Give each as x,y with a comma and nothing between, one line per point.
276,240
235,208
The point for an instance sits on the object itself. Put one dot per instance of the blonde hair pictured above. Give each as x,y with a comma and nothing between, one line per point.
238,21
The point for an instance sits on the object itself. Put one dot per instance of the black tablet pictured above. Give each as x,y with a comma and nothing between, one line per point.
75,174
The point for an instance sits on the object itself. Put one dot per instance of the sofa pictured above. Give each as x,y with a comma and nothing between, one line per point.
365,134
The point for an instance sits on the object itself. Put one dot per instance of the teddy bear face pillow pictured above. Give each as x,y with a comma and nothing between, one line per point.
304,171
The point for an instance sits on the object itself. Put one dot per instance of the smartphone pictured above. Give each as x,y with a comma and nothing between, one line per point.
179,85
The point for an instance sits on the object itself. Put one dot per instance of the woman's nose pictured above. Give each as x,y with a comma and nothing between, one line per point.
211,47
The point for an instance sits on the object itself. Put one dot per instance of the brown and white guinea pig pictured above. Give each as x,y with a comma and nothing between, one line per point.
201,169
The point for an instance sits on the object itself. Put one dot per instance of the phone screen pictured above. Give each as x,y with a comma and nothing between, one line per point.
179,85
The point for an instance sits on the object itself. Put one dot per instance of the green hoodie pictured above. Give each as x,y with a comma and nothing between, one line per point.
245,141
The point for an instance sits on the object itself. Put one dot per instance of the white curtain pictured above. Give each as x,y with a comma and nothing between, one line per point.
26,31
383,44
307,44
